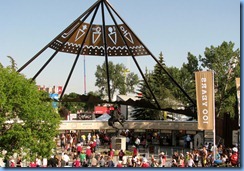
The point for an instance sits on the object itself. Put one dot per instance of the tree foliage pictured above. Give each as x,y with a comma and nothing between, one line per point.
28,121
223,59
65,107
118,79
72,107
161,84
225,62
140,113
186,78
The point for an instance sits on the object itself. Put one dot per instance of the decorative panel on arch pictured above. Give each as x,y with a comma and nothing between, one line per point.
94,44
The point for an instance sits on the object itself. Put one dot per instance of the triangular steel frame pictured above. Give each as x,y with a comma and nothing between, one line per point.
79,21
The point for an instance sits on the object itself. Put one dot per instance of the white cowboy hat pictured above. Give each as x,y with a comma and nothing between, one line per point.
235,149
144,160
88,147
162,153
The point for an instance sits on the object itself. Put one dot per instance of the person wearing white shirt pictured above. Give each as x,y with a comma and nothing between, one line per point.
66,158
190,162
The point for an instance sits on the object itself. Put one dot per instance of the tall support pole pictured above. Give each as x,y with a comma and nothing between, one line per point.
172,79
70,26
138,66
60,47
106,53
79,52
44,66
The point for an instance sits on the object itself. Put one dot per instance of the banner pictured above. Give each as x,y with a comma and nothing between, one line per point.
60,89
238,88
205,100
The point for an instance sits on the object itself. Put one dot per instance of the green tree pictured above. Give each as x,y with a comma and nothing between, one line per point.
163,88
71,106
67,107
187,78
118,80
27,120
225,62
140,113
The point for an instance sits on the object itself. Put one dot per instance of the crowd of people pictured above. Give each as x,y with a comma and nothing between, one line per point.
84,151
224,157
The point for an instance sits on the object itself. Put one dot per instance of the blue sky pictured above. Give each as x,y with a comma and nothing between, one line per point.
173,27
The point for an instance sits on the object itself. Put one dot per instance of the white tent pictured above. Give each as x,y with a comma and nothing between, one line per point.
103,117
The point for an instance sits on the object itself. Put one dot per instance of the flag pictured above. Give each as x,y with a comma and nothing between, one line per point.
60,88
205,99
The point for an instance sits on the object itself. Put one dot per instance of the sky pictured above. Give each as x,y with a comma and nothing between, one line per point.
171,27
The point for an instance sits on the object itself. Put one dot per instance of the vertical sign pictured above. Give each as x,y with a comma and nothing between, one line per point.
238,88
205,99
60,89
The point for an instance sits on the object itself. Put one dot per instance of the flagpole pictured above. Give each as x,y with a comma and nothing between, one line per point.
214,138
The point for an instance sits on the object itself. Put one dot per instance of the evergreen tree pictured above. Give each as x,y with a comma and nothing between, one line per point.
140,113
187,78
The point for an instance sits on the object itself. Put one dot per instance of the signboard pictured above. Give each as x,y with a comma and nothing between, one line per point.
205,99
73,116
102,109
235,136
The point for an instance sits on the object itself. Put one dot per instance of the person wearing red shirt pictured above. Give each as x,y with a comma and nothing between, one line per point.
135,151
77,162
111,153
119,164
94,145
145,163
12,164
32,164
79,149
88,153
91,145
234,157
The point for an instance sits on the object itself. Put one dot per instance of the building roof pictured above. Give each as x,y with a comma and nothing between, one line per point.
126,97
103,117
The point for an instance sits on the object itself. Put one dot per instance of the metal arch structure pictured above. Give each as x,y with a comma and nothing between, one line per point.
83,38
